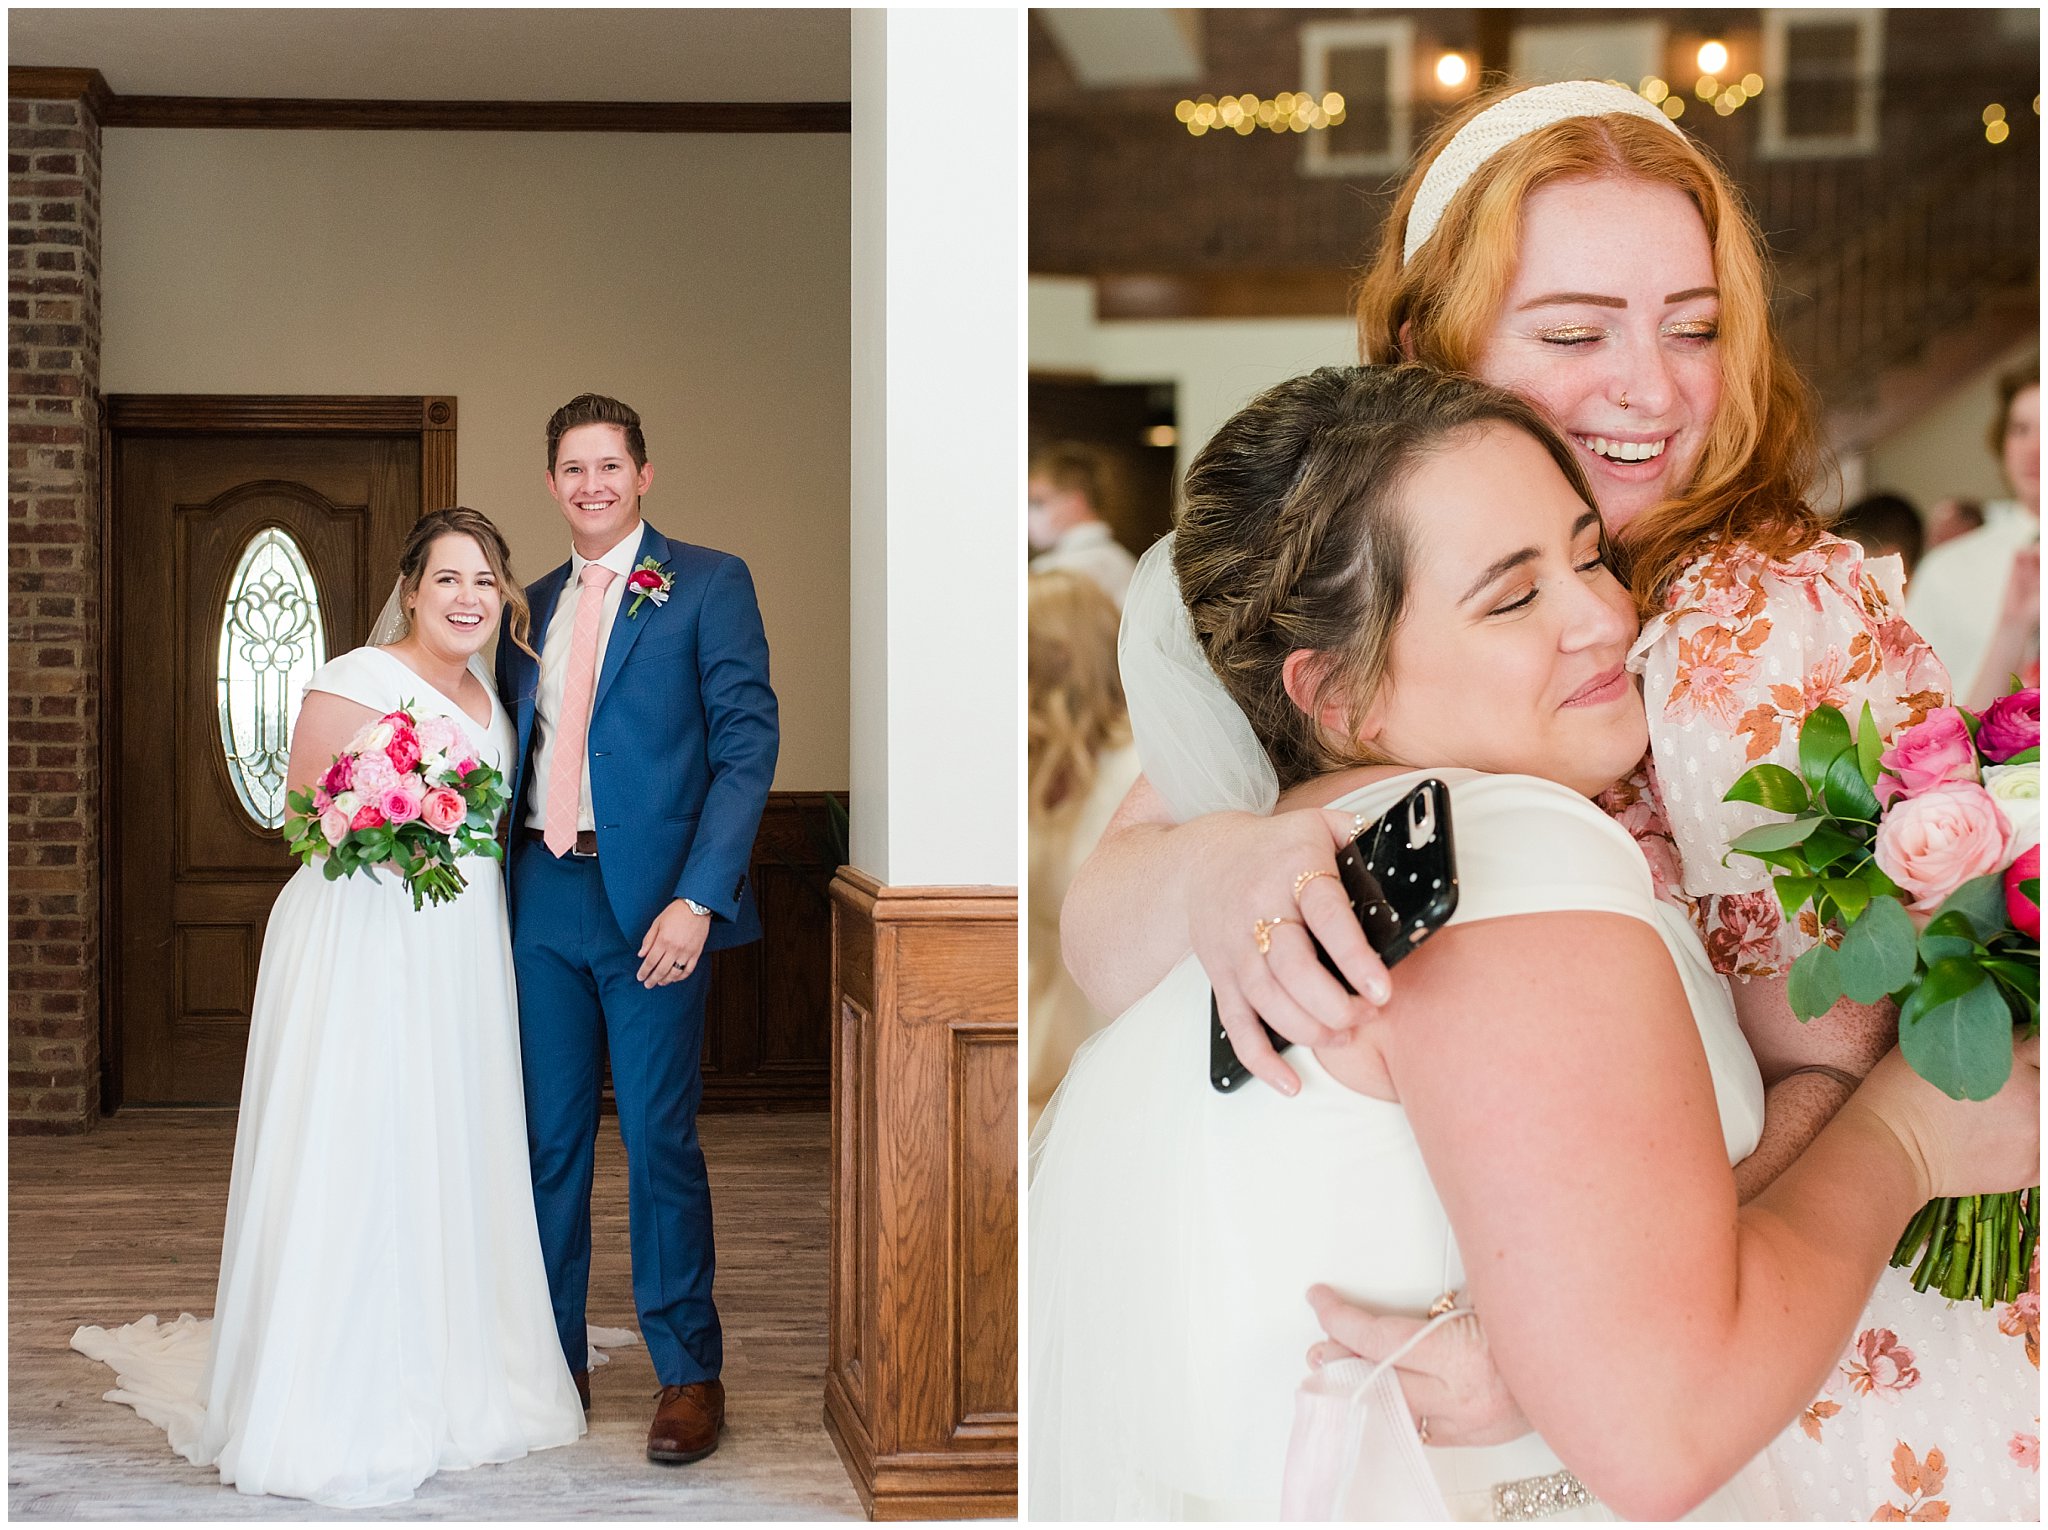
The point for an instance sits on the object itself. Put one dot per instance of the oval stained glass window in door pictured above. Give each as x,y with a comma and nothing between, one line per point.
271,642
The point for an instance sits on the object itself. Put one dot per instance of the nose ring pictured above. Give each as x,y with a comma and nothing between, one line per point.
1624,400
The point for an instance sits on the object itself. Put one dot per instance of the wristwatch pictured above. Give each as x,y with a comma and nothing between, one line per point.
696,908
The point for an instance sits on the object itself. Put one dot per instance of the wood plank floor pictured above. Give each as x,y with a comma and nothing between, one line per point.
127,1220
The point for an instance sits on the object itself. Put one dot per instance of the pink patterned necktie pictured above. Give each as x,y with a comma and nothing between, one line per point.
565,768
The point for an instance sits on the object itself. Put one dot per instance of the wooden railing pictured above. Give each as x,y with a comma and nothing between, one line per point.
1922,262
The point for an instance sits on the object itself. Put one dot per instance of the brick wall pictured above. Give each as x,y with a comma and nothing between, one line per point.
54,804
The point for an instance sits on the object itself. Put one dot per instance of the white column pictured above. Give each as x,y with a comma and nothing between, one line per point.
937,474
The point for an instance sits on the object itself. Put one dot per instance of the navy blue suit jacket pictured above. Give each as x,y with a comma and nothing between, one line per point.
682,742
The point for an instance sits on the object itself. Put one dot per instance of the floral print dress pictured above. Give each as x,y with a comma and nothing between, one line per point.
1934,1411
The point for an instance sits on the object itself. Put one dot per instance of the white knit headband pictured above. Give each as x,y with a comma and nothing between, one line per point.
1500,125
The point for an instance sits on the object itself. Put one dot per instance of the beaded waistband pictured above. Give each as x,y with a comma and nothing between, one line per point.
1539,1497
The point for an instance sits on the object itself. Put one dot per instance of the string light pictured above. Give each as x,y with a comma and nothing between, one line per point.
1706,87
1713,57
1753,84
1997,132
1452,70
1653,90
1993,113
1289,111
1674,107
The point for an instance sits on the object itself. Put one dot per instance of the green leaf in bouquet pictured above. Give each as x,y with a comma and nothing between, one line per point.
333,873
1878,953
1823,735
1770,786
1851,897
1872,876
1982,901
1827,845
1869,745
1814,985
2027,756
1794,892
1962,1045
2022,979
1946,981
1848,795
1774,836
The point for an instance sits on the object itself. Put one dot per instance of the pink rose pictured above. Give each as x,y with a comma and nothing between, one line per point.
401,803
340,775
368,816
1934,750
321,801
2023,911
374,775
397,719
442,810
2010,724
439,735
1932,843
334,824
464,766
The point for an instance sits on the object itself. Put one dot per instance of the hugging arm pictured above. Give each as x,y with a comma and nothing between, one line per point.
1153,890
1654,1332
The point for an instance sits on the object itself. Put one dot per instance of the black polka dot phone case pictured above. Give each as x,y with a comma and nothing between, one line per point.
1401,876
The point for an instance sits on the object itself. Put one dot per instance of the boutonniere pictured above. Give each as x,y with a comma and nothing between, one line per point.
650,581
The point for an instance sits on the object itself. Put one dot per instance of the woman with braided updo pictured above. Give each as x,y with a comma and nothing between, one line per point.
1570,244
1400,574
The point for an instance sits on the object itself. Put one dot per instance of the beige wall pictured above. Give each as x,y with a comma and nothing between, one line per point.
1943,454
702,278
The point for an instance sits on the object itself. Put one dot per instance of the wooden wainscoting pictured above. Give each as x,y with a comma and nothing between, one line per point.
921,1378
767,1031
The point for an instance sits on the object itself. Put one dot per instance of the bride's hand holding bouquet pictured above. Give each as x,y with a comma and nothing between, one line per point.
407,792
1919,861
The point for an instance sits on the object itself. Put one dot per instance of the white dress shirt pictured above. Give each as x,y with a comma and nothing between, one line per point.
1091,548
554,662
1954,596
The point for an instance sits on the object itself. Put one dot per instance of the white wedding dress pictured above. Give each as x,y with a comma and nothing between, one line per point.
382,1312
1176,1230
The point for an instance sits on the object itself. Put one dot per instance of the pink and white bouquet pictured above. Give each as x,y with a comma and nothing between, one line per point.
1921,862
408,792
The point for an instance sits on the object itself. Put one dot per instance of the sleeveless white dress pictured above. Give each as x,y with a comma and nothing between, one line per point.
1176,1230
382,1312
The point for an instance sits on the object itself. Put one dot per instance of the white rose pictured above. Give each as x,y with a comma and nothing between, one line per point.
377,737
2017,791
434,766
348,802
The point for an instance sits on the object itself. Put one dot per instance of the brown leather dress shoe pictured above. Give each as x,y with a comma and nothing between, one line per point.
582,1380
686,1423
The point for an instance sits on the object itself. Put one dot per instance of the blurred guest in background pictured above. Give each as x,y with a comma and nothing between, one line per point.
1952,518
1066,528
1882,524
1081,764
1977,599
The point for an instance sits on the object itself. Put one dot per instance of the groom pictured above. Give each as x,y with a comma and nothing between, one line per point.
647,740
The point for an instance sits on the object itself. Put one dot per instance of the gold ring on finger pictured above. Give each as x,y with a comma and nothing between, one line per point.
1263,930
1309,876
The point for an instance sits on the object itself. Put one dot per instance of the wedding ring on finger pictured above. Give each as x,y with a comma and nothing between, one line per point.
1309,876
1262,931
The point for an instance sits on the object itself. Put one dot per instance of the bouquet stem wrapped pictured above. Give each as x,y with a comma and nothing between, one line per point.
1921,864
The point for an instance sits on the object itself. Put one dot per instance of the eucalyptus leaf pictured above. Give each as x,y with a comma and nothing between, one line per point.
1878,953
1946,981
1773,787
1813,985
1964,1046
1869,745
1982,901
1823,735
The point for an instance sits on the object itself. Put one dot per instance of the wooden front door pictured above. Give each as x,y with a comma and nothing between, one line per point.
241,559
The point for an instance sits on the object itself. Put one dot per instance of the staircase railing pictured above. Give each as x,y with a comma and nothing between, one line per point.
1914,268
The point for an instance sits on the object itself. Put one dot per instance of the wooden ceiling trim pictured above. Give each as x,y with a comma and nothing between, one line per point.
115,110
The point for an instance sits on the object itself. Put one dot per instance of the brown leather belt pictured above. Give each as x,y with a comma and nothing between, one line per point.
584,849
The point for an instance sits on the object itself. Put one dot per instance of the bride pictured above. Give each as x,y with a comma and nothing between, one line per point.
1544,1114
382,1312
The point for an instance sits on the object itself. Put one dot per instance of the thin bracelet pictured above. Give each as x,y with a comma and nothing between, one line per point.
1848,1081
